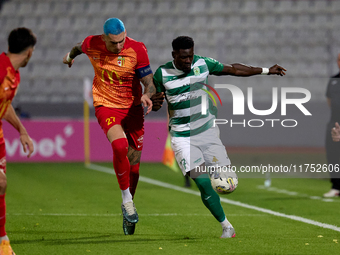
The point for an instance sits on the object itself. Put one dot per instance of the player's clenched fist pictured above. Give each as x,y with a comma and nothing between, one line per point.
67,60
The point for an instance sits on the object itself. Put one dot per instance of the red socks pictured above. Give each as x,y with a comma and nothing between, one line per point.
121,163
2,215
127,175
134,176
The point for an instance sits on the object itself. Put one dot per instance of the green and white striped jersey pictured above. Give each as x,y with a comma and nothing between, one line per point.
183,92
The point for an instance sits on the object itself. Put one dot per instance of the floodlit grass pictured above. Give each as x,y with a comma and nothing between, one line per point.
64,208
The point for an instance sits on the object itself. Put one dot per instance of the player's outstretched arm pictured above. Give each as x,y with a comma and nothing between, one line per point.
246,70
26,141
149,90
336,132
69,57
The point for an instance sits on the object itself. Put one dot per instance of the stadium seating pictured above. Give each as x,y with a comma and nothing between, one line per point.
302,34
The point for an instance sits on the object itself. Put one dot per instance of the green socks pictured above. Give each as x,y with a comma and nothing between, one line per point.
209,197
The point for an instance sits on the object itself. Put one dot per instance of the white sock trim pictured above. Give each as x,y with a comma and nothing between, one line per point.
225,223
126,196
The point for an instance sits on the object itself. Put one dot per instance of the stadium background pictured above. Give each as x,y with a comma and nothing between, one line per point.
302,36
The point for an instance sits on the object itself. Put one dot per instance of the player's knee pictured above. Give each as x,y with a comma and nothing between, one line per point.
120,148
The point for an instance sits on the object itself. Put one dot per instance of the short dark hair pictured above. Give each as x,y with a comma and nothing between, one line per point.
182,42
20,39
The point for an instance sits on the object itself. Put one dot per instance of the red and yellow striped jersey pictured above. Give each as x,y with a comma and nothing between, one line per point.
9,83
116,81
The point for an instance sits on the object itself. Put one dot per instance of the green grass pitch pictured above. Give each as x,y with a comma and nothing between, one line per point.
65,208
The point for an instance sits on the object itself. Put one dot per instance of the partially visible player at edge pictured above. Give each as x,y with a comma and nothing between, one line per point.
21,43
332,145
194,139
120,64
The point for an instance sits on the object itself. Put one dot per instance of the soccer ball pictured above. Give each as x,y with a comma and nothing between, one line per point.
224,182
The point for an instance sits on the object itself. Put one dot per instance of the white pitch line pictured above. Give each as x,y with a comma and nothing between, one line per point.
293,193
225,200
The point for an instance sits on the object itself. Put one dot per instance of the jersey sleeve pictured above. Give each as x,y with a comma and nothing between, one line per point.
86,44
214,66
143,64
158,81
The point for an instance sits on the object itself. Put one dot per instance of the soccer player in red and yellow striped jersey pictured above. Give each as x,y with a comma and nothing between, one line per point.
120,64
21,43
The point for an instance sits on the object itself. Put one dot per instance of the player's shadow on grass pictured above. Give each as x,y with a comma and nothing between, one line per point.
109,238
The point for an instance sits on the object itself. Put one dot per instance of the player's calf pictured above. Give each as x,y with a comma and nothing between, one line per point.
120,162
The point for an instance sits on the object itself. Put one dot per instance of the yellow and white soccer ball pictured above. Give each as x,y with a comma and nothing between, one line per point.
224,182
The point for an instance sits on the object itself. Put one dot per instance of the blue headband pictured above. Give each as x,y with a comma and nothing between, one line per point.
113,26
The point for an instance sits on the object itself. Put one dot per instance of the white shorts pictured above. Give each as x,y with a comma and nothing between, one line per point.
206,147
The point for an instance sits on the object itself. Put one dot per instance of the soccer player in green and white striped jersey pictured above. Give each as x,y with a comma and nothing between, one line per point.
194,138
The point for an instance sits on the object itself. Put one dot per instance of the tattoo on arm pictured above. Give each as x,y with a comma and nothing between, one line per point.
76,50
150,88
133,156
